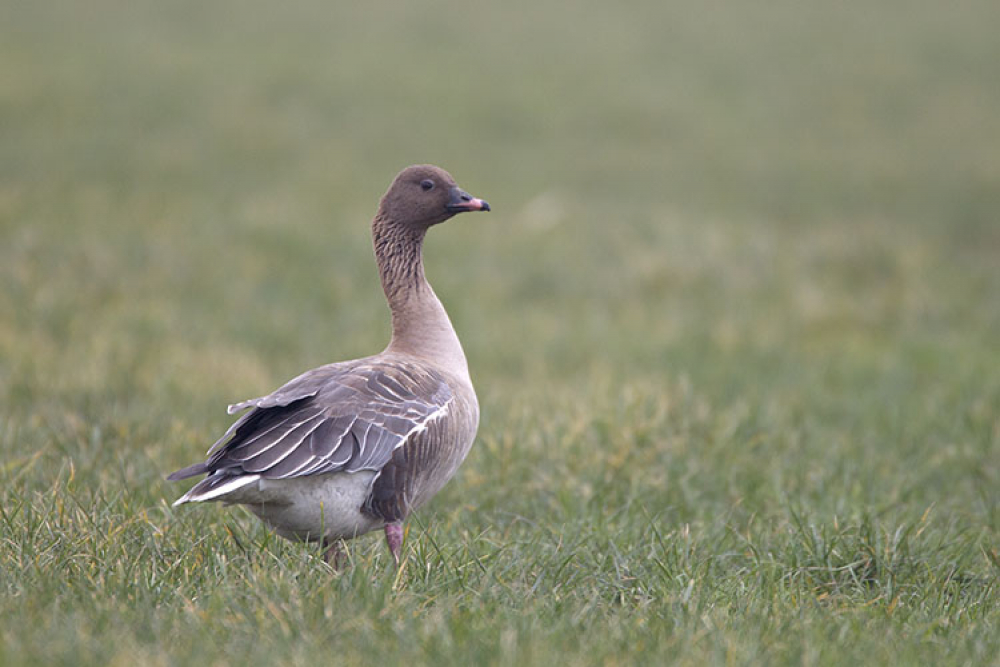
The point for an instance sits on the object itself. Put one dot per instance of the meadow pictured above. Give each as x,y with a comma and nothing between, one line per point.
733,322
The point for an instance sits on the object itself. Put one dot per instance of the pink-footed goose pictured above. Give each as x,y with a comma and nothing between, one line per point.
354,446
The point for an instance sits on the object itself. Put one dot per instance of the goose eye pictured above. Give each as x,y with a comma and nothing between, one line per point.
427,184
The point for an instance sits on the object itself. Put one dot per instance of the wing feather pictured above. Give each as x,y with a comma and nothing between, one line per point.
265,460
256,445
341,417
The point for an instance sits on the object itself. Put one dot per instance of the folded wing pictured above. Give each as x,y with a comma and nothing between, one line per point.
342,417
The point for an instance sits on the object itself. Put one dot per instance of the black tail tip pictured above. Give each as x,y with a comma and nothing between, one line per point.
190,471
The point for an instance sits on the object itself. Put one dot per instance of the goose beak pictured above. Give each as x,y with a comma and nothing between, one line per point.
461,201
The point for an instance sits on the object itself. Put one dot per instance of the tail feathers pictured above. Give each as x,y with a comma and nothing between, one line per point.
190,471
214,487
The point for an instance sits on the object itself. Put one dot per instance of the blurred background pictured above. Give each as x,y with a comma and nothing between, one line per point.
744,257
774,203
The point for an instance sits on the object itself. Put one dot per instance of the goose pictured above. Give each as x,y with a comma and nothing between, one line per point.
351,447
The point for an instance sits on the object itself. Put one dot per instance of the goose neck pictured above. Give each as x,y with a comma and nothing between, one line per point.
420,324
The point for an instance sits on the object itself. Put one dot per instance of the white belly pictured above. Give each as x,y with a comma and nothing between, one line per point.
313,507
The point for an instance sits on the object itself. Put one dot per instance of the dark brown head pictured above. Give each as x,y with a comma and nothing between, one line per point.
424,195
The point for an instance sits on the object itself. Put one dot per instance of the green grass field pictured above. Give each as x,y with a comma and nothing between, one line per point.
733,321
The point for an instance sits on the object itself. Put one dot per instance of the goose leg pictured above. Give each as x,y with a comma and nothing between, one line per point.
334,554
394,538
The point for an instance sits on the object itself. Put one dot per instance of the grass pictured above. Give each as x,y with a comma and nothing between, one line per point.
733,324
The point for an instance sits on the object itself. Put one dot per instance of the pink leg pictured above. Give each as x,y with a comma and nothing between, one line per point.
334,555
394,538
